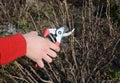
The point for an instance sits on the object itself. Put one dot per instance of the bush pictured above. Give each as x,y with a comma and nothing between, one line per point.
85,57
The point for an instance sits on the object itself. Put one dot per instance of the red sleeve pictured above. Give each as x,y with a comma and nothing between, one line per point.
11,48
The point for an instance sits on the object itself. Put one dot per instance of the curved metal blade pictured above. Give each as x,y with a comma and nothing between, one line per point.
68,33
65,28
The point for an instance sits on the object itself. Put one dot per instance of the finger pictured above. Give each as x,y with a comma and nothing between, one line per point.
40,63
47,58
52,53
54,47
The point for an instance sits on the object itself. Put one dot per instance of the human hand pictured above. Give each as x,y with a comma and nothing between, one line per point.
39,48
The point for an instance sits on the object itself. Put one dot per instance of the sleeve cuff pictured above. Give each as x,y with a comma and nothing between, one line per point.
12,47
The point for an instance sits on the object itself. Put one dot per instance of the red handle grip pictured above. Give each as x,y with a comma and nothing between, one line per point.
46,32
57,43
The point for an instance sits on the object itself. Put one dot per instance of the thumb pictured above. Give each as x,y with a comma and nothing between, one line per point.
34,33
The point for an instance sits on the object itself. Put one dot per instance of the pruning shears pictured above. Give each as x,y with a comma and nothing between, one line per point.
56,35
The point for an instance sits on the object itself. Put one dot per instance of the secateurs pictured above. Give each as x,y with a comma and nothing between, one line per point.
56,35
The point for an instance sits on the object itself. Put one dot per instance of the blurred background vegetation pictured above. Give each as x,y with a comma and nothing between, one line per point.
90,55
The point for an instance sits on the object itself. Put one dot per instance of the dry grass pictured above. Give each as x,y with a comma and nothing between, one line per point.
85,57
